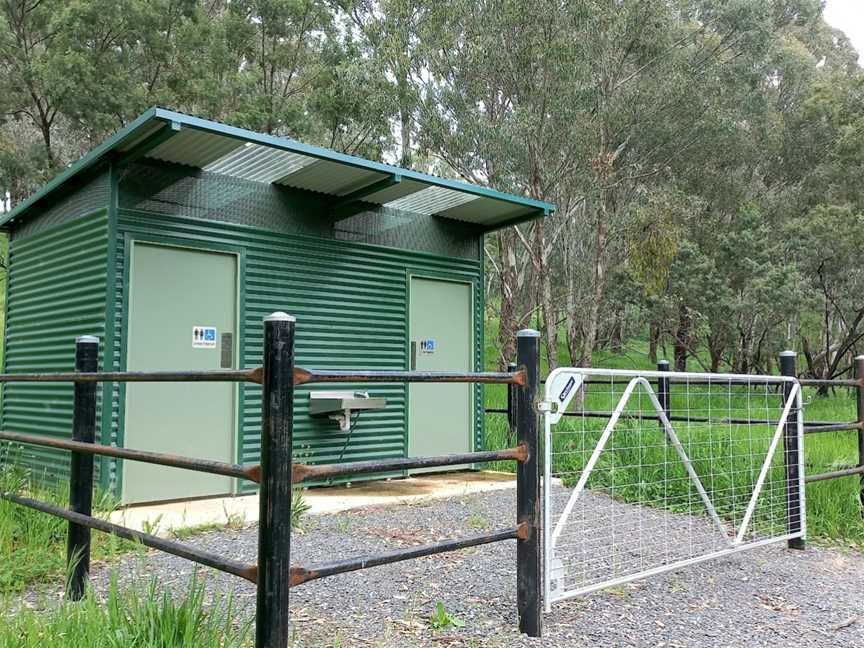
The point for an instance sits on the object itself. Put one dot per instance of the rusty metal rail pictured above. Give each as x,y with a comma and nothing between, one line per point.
306,472
835,474
850,426
653,417
278,376
836,382
250,472
214,375
247,571
810,427
832,427
301,575
303,376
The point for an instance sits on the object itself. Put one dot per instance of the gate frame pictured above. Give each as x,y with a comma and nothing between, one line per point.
791,431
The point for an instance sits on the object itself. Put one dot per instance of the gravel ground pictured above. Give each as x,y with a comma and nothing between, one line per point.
765,597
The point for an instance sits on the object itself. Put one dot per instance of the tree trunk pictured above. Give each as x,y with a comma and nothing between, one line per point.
574,329
616,336
404,119
599,278
653,340
682,338
715,351
508,322
548,310
604,170
45,128
572,249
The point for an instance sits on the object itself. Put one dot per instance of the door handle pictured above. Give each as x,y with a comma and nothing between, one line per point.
413,355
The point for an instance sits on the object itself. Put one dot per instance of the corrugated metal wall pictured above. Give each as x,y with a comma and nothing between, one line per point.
350,301
83,197
56,292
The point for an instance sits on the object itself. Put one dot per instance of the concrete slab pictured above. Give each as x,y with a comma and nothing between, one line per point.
164,518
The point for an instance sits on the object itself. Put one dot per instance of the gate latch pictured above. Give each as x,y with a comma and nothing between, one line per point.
556,575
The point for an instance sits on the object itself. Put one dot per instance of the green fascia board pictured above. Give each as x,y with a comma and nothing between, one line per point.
368,190
282,143
540,213
162,134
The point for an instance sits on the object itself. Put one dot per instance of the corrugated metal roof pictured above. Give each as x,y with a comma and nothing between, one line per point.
218,148
498,212
194,148
325,176
432,200
258,163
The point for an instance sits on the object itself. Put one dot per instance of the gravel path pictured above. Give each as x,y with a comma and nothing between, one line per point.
765,597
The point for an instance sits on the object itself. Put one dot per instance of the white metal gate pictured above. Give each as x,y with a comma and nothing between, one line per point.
647,472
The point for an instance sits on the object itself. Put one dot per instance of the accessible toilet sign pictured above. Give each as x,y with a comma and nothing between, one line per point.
203,337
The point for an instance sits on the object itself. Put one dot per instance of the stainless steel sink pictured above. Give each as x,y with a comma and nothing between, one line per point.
339,405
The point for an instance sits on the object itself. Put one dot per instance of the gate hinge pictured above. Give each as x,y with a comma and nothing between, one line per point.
547,406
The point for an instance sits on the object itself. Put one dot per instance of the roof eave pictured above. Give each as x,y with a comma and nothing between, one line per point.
85,163
523,218
286,144
95,156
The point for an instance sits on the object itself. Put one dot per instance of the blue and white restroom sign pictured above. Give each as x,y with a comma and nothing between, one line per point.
204,337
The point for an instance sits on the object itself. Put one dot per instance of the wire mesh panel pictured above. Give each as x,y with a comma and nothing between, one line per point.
649,471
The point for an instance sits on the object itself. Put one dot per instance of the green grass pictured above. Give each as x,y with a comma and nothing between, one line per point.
641,455
833,509
33,544
130,618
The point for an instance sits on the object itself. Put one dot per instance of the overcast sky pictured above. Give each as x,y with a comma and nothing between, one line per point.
847,15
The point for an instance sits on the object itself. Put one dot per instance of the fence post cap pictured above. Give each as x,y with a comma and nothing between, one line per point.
280,316
787,354
859,357
665,363
86,339
527,333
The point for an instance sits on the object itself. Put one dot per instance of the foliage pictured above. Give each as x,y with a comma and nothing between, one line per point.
441,619
704,156
299,508
131,617
33,544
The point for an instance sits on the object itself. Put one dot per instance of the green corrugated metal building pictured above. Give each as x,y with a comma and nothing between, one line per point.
172,240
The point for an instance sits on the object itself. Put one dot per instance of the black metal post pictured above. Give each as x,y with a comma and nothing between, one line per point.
274,525
791,454
663,388
81,467
511,401
859,374
528,572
